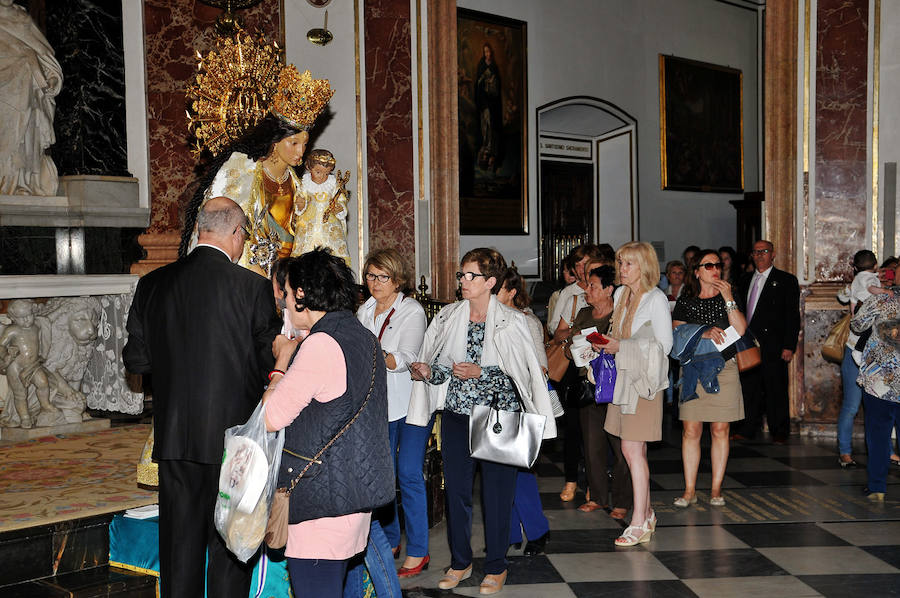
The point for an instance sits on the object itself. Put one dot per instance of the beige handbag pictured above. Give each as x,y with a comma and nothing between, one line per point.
833,347
557,360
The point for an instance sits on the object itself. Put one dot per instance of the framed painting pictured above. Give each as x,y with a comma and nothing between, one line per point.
493,135
701,126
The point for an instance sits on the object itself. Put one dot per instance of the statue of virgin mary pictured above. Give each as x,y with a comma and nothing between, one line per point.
30,79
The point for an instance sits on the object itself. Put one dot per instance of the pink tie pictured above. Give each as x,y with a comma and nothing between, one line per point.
754,294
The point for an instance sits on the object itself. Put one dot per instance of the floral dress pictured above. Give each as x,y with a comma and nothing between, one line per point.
462,395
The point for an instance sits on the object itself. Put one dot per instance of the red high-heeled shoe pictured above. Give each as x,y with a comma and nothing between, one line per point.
413,571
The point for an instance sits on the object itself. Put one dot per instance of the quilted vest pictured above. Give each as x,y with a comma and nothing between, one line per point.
356,472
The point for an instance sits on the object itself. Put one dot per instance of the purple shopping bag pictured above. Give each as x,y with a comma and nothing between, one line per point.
604,367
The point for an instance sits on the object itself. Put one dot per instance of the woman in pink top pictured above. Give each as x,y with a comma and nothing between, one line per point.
332,387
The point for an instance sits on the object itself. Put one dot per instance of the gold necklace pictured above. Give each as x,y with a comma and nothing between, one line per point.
280,182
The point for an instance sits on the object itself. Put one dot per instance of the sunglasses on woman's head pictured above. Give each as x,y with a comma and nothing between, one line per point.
710,265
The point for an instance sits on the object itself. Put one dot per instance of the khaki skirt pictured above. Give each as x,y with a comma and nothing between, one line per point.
727,405
645,424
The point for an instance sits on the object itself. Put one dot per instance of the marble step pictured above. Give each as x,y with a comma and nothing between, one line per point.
97,582
53,549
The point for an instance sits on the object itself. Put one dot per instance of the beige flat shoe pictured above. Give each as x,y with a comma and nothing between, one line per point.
492,583
683,503
452,578
717,501
568,491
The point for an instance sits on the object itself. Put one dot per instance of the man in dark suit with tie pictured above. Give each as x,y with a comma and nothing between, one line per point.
203,328
773,315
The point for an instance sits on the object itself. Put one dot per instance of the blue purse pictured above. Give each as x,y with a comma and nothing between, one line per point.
604,368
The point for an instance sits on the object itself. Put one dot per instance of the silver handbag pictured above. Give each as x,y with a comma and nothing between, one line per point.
507,437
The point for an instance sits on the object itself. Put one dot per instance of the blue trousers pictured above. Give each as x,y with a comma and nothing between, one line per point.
498,488
379,560
527,510
880,417
850,404
317,578
408,444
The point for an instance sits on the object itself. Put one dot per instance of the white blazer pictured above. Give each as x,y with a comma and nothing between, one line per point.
507,344
403,339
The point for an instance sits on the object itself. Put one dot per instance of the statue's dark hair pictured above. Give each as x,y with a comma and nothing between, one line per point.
327,282
256,143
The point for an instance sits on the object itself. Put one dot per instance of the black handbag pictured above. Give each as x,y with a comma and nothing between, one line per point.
580,393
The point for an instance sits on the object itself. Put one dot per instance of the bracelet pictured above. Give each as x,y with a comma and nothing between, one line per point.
730,306
273,372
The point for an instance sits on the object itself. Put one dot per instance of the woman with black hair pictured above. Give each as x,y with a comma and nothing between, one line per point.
329,393
731,269
712,391
257,172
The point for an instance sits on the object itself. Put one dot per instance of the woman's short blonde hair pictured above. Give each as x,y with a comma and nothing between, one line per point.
645,256
390,261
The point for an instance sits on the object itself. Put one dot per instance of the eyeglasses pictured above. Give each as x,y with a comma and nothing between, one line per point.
379,277
710,265
243,228
470,276
760,251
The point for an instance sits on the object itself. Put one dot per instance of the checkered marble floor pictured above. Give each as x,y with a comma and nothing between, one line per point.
794,525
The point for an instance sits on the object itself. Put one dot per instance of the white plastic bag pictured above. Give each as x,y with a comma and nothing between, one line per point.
247,481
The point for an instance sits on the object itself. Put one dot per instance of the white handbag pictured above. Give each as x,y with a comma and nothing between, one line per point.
507,437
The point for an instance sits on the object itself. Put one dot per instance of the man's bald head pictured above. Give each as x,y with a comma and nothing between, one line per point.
221,223
220,215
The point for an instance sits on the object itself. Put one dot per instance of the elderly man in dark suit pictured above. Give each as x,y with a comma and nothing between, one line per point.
773,315
203,328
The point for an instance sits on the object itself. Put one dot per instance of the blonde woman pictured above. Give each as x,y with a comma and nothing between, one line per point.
640,337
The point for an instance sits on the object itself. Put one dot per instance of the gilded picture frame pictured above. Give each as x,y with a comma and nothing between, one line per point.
492,88
701,126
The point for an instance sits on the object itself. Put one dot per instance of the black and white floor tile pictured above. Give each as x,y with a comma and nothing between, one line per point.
794,524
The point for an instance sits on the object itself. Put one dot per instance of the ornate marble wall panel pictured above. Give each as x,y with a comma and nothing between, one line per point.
840,148
173,29
389,126
821,394
90,109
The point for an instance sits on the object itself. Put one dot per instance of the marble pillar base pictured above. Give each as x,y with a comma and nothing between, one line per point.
161,248
23,434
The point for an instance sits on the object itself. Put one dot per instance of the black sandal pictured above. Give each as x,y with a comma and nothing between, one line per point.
847,464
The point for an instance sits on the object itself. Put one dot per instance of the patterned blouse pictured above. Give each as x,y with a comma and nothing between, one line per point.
879,372
462,395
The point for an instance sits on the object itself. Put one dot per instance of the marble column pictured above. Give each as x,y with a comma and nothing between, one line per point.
780,91
840,149
839,221
90,108
389,126
443,117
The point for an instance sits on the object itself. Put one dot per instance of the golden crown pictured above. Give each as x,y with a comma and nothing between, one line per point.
300,98
233,89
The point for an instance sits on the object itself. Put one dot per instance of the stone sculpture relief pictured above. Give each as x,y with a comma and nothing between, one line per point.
44,351
30,79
